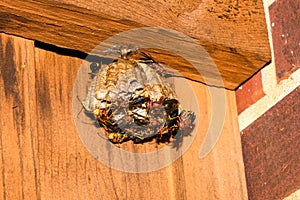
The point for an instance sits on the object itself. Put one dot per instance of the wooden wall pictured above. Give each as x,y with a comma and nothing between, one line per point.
43,157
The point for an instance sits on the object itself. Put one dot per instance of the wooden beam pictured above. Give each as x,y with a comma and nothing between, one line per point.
234,34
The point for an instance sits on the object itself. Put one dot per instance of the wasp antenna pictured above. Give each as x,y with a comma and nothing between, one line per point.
100,135
81,105
79,112
148,56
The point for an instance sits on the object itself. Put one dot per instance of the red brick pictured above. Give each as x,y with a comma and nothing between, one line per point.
285,23
249,93
271,151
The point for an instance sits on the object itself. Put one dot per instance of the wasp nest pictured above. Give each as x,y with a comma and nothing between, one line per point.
132,100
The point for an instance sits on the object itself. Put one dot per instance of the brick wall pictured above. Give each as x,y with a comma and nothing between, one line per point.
269,110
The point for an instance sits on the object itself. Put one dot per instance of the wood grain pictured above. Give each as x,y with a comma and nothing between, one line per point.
43,157
233,33
19,176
